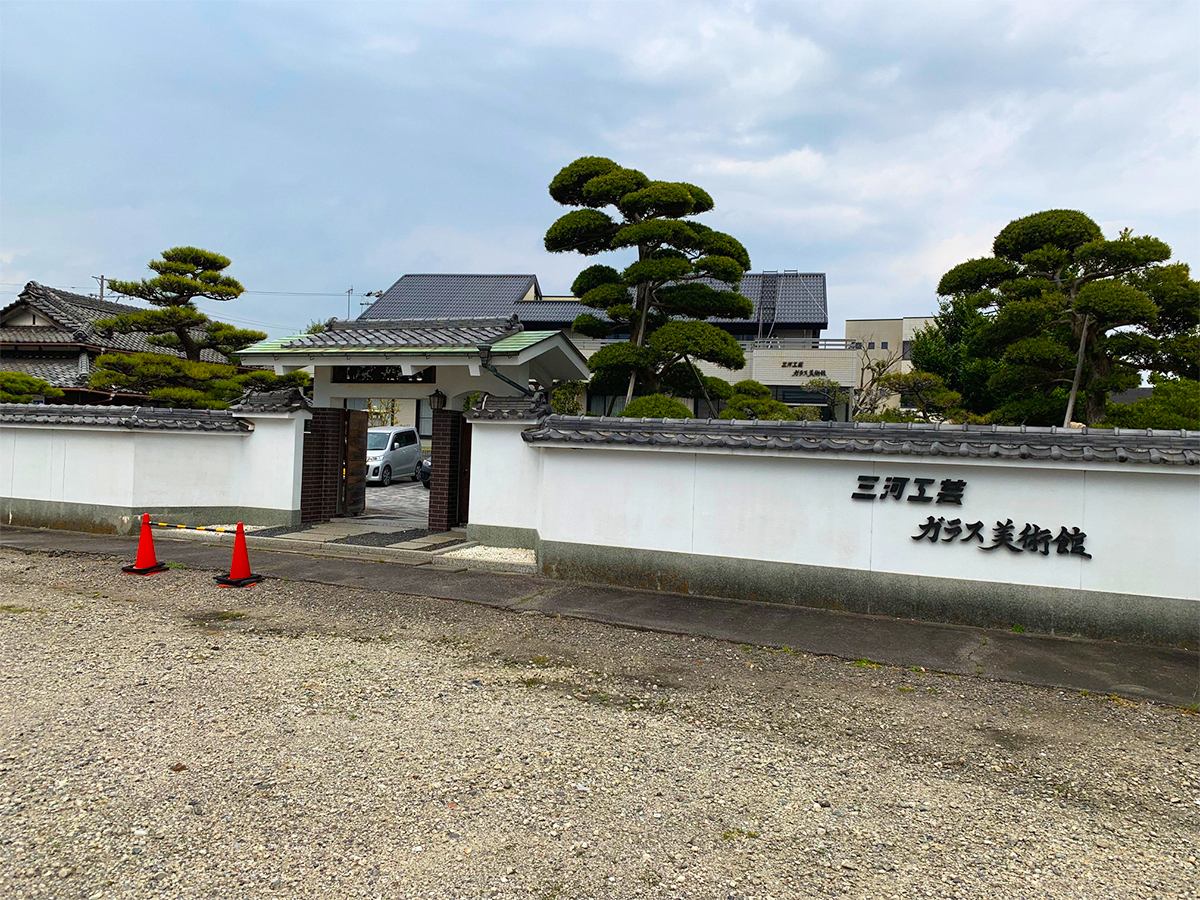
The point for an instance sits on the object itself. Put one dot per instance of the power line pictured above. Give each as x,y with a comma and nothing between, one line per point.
87,287
223,315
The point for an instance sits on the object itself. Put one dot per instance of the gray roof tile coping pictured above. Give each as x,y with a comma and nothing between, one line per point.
907,439
509,408
131,417
285,400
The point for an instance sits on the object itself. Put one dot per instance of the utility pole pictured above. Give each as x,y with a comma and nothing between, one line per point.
349,294
100,278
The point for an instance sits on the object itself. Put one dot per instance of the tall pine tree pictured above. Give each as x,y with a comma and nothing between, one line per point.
184,273
662,298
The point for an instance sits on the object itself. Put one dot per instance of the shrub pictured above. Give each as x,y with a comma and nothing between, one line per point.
17,387
656,406
752,400
567,398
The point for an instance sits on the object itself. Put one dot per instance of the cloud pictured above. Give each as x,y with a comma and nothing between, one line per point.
320,145
451,249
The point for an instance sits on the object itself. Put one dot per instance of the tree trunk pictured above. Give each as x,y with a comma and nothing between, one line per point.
639,336
1078,374
189,346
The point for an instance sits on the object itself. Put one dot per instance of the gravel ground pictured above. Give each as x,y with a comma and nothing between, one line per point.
164,737
514,555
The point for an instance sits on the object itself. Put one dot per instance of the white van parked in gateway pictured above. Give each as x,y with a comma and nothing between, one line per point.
393,452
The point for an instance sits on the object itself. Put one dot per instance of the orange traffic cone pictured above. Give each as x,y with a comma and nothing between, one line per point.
239,570
146,563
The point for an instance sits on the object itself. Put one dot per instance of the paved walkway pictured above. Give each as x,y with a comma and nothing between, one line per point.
1149,673
407,502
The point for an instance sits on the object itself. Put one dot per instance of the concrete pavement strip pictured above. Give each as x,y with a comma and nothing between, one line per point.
1161,674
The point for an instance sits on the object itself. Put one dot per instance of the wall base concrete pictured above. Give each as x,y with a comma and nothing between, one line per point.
123,520
1163,621
503,536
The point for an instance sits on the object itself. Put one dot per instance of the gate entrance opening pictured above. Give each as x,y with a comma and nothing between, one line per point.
448,361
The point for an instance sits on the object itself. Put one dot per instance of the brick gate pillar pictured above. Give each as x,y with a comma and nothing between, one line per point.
444,476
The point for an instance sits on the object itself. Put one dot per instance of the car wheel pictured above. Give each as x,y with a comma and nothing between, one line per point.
426,485
417,473
385,477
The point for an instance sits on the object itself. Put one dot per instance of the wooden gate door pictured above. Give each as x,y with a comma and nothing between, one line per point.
333,480
464,470
354,463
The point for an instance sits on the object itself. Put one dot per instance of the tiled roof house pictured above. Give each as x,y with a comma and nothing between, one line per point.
52,335
785,303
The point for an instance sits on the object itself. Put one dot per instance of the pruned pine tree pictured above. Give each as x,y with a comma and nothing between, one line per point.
662,298
184,273
1064,313
185,383
752,400
17,387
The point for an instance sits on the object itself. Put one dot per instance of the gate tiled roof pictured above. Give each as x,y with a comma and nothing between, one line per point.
400,336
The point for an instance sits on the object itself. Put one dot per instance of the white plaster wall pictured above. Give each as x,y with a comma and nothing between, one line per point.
505,485
129,468
72,465
1140,520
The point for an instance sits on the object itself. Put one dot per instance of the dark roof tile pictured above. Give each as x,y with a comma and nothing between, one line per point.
453,296
509,408
286,400
76,315
975,441
132,417
408,333
800,298
62,373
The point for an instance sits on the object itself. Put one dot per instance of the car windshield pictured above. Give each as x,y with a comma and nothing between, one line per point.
377,440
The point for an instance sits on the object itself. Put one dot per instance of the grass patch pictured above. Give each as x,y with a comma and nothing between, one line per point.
1018,629
905,689
867,664
15,609
228,616
175,565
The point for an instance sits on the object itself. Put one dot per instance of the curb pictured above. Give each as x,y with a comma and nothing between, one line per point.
316,548
431,558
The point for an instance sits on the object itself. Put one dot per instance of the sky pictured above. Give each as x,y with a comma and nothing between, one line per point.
329,146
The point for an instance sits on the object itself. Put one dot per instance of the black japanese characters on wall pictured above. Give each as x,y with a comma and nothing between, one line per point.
950,491
1032,538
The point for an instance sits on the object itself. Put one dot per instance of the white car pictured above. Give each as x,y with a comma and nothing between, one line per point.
393,452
